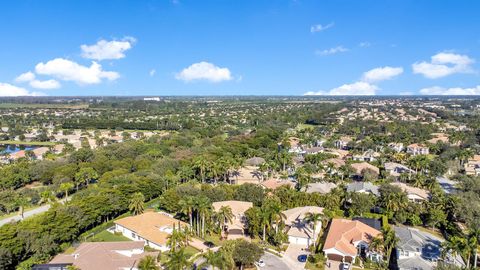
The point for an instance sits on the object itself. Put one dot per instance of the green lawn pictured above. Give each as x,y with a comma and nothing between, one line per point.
28,143
105,236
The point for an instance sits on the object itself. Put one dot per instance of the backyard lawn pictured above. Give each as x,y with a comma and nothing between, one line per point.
105,236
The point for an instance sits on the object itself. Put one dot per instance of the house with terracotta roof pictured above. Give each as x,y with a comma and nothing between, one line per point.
472,166
151,227
275,183
299,231
236,228
359,168
414,194
347,239
104,255
417,149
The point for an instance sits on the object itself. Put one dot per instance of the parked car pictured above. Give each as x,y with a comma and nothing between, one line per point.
302,258
260,263
345,266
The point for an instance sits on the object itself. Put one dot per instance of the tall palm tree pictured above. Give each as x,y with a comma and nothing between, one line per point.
176,239
65,187
390,240
178,260
203,207
265,220
224,215
202,165
148,263
313,218
186,207
137,205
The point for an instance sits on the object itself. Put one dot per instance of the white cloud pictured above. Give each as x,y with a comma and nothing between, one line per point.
437,90
330,51
364,44
318,27
103,49
67,70
353,89
204,71
152,72
443,64
25,77
382,74
47,84
8,90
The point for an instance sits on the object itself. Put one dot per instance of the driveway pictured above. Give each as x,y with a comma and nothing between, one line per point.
291,256
273,262
333,265
29,213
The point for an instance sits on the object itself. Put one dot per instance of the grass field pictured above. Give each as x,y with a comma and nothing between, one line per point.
105,236
42,106
28,143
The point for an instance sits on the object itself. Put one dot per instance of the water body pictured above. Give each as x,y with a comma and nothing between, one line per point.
12,148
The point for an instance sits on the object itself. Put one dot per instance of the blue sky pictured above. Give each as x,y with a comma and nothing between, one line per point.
259,47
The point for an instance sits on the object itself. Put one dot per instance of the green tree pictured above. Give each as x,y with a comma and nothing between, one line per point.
148,263
178,260
314,219
137,205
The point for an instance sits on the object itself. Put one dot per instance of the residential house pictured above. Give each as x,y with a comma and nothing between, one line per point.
360,167
151,227
320,187
448,186
236,228
39,152
395,169
419,250
274,183
347,239
299,231
397,147
472,166
104,255
254,161
417,149
363,187
367,156
313,150
342,143
414,194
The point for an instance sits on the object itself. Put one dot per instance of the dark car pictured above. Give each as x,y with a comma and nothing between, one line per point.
302,258
209,244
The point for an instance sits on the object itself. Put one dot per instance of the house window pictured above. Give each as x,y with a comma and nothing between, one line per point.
133,235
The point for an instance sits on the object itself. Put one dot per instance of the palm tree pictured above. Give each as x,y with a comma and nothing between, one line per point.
148,263
136,205
176,239
186,207
211,259
65,187
21,203
390,240
265,220
178,260
202,165
203,206
314,218
225,215
46,196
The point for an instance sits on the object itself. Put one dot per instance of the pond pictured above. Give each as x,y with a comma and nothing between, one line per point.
12,148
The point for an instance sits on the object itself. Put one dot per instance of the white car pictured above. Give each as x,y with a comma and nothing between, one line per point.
345,266
260,263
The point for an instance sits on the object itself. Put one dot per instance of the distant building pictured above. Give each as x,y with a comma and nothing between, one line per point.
414,194
320,187
363,187
417,149
395,169
151,99
397,147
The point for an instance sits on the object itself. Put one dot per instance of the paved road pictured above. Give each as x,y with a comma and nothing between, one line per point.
28,213
273,262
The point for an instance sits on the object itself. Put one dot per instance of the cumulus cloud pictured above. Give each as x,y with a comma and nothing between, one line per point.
382,74
353,89
443,64
47,84
104,49
437,90
25,77
318,27
334,50
364,44
204,71
152,72
67,70
8,90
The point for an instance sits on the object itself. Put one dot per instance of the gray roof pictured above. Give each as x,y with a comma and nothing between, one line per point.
363,186
254,161
414,240
447,185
